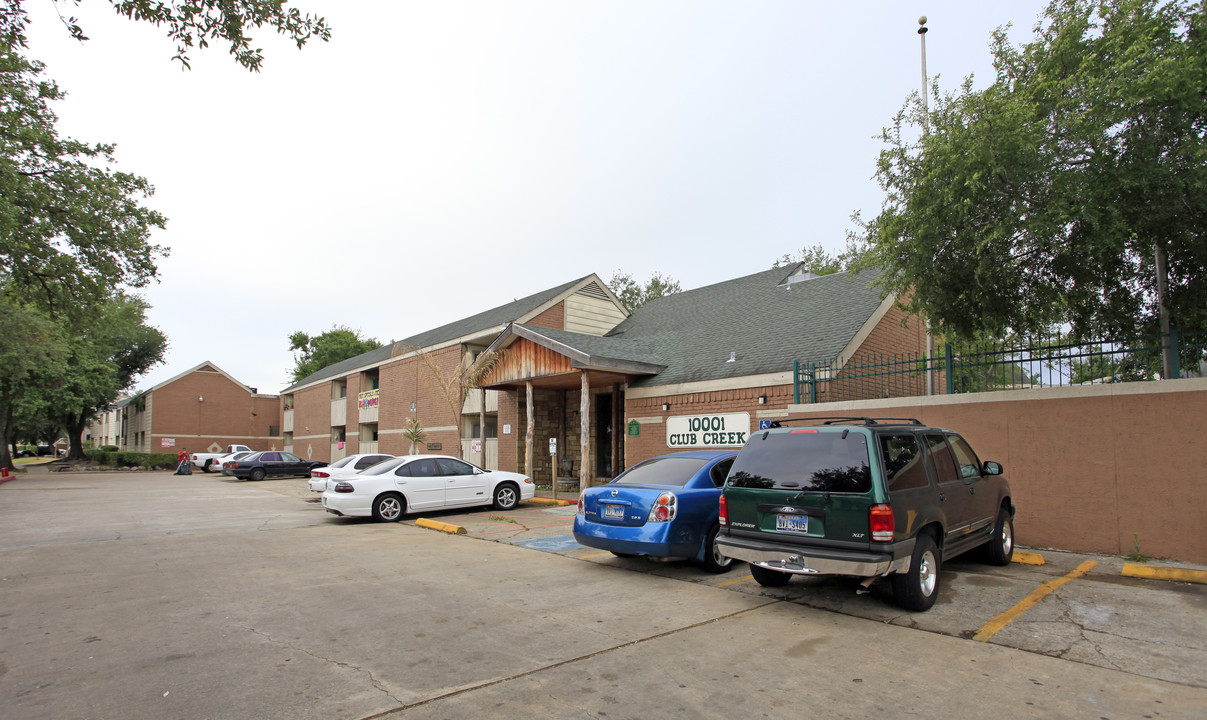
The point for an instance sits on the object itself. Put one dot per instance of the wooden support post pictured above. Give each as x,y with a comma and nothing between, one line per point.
584,421
531,472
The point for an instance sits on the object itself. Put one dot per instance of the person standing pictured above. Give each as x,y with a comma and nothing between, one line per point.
183,465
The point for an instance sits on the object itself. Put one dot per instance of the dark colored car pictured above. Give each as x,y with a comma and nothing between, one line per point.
270,463
664,507
864,497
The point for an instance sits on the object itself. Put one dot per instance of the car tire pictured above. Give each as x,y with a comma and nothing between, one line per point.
1000,548
768,577
208,467
507,496
918,588
256,474
714,560
389,507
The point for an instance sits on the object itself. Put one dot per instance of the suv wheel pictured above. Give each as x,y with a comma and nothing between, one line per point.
918,588
768,577
1000,548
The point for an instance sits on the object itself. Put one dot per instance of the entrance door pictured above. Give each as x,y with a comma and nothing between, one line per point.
603,435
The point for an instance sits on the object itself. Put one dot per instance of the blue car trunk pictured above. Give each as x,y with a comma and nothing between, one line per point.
623,505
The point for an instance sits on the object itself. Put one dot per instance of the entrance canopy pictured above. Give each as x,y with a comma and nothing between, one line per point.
556,359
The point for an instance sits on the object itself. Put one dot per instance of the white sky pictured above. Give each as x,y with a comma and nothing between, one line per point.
440,157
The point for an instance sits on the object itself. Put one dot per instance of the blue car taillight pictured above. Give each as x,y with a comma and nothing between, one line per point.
664,508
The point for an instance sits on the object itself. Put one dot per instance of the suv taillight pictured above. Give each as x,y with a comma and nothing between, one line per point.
881,523
724,518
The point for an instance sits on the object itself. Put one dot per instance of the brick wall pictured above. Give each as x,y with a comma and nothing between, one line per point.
228,414
554,317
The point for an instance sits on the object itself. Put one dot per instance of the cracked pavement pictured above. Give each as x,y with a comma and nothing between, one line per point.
255,603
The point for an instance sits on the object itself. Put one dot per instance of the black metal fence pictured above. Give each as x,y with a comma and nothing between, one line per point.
1057,361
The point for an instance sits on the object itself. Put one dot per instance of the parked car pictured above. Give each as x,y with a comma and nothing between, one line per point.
390,489
271,463
227,460
664,507
344,468
865,497
212,462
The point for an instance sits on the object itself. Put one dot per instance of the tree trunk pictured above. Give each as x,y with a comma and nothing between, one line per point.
6,430
75,434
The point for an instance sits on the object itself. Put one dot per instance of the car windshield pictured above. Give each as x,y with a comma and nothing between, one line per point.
662,471
804,460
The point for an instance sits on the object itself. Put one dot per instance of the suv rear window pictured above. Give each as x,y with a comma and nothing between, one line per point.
799,460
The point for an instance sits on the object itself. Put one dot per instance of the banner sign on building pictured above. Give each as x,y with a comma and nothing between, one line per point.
707,431
368,399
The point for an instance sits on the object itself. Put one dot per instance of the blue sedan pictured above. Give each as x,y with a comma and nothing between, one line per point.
664,507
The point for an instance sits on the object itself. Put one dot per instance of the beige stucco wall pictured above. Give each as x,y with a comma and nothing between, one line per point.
1090,465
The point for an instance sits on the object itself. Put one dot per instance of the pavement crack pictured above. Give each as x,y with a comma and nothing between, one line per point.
568,661
339,663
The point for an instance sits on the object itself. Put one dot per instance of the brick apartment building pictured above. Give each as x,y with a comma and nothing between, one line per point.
573,387
203,409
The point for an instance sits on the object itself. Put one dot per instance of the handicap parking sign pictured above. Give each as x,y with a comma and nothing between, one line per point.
764,424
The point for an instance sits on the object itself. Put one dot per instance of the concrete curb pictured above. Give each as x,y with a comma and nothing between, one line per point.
1157,572
549,501
441,526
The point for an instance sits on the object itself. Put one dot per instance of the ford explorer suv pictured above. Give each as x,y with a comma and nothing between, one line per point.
864,497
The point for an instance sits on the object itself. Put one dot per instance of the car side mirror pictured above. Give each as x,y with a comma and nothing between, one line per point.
992,468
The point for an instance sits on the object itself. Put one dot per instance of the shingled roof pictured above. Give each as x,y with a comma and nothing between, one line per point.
762,321
483,321
765,322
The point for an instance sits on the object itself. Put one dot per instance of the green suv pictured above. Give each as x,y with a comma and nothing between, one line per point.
867,497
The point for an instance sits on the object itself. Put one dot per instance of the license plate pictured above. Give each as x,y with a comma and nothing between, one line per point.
613,511
792,523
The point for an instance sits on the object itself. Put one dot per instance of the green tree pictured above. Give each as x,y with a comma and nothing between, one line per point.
71,228
190,23
634,294
315,353
1044,199
31,360
819,261
111,346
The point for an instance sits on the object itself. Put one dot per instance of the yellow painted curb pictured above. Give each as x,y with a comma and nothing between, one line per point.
548,501
1165,573
441,526
1028,558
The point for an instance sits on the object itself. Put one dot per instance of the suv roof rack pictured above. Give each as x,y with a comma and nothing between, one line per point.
843,419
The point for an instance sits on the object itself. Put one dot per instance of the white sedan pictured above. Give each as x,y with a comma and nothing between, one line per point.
410,483
344,468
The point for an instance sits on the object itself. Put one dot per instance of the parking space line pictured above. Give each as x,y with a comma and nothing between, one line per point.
992,627
734,581
596,555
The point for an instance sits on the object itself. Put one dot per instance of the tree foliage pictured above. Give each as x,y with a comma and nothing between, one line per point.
634,294
315,353
190,23
32,357
820,261
71,228
111,346
1040,200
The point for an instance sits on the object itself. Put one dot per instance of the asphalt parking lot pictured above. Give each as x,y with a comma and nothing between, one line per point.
152,596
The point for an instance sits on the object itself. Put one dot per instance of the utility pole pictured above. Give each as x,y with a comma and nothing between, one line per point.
930,339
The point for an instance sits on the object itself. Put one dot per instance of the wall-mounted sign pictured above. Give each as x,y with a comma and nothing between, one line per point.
167,442
368,399
434,446
634,428
706,431
475,446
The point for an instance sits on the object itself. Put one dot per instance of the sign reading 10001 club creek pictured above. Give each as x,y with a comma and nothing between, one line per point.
707,431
